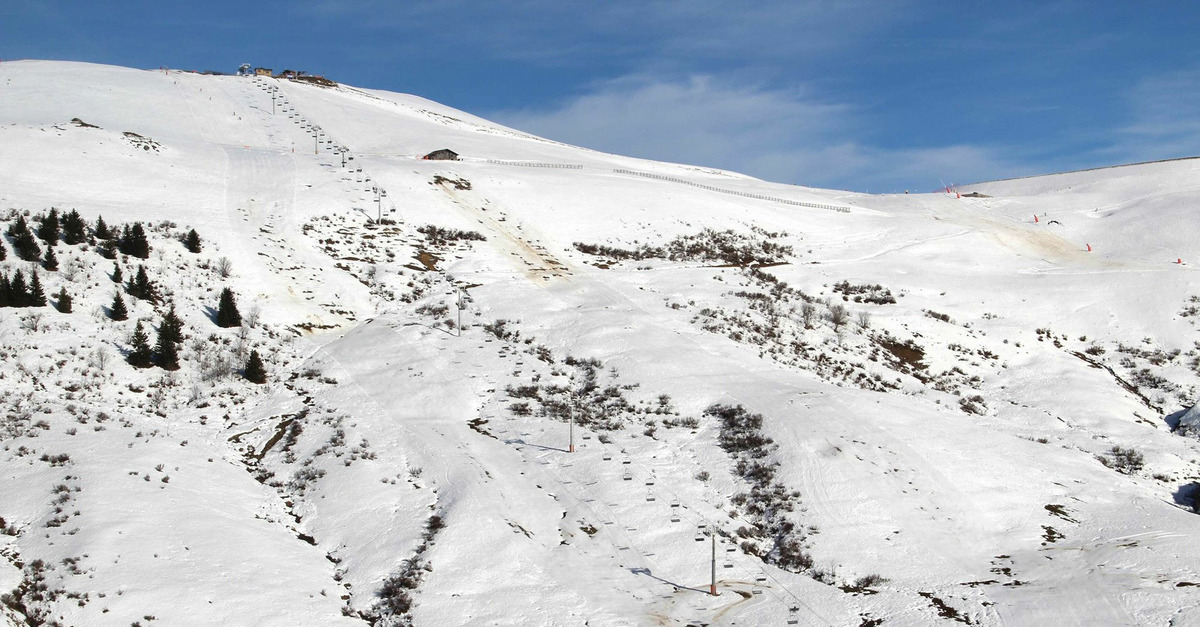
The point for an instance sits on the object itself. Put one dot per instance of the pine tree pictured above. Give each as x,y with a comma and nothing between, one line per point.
139,354
116,273
227,312
64,301
37,298
173,326
50,261
118,311
17,228
141,287
165,351
18,294
74,229
133,241
5,291
255,372
3,253
106,249
48,229
102,231
26,246
192,241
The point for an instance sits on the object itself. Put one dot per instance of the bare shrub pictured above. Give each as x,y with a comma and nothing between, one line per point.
1126,461
100,359
864,320
251,317
838,316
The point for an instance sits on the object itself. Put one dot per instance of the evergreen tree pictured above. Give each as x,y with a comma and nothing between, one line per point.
133,241
18,294
64,301
17,228
116,274
26,246
173,326
140,245
50,261
227,312
3,253
255,372
5,291
102,231
74,229
48,229
192,241
37,298
139,354
141,287
165,351
106,249
118,311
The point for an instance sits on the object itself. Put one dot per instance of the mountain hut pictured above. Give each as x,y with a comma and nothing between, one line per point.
445,154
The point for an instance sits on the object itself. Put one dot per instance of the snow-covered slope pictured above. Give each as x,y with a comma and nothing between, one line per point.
871,409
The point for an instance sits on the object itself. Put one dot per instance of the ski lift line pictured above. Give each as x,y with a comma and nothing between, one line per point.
644,554
706,521
645,561
662,177
737,559
750,573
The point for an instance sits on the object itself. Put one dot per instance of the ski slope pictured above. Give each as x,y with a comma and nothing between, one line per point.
200,498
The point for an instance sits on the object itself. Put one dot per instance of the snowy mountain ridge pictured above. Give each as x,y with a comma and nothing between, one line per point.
853,409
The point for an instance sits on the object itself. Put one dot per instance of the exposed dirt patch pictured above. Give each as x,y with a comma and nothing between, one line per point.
138,141
909,353
944,610
1060,511
460,184
476,425
279,432
1051,535
428,260
312,327
1129,387
82,124
319,81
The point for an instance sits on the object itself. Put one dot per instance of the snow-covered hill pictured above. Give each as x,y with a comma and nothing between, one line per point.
896,410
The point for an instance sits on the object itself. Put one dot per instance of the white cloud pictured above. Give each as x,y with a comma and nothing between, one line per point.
1164,114
643,32
789,136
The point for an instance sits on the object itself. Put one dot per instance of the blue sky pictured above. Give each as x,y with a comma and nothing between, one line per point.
870,96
